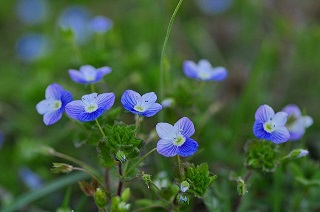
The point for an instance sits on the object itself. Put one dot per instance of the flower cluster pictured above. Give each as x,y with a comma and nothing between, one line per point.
280,127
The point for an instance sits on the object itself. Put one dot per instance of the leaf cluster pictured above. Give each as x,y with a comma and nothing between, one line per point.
199,179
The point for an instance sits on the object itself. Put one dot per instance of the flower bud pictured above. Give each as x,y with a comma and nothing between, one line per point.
146,178
241,187
184,186
100,198
61,168
298,153
121,156
125,195
182,199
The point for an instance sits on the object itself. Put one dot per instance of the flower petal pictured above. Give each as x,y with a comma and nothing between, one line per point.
280,135
165,131
66,97
166,148
89,98
129,99
185,127
104,70
52,117
53,91
85,116
280,119
77,76
218,74
264,113
259,131
189,147
307,121
43,107
105,100
152,110
292,109
148,99
204,64
190,69
75,108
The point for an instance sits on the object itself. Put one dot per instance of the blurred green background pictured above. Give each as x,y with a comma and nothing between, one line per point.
270,48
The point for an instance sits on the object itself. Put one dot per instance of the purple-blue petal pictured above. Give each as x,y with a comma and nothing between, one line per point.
84,116
52,117
259,131
104,70
129,99
42,107
74,109
185,126
66,97
190,69
166,148
187,149
218,74
105,100
77,76
292,109
280,135
53,91
264,113
152,110
280,119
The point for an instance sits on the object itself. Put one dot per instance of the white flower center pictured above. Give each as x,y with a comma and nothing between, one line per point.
90,76
139,108
269,126
91,107
179,140
55,104
204,74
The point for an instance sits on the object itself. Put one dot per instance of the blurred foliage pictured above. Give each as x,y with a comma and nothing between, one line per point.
271,49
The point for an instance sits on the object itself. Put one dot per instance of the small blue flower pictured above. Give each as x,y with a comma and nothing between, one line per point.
32,11
303,153
270,126
297,123
176,139
90,107
203,71
144,105
184,186
88,74
183,198
53,106
100,24
30,179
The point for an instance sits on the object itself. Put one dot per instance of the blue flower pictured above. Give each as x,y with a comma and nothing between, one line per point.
176,139
100,24
297,123
53,106
88,74
270,126
303,153
141,105
32,11
90,107
203,71
31,179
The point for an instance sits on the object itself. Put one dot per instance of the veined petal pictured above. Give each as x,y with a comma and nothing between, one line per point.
166,148
52,117
53,91
104,70
259,131
264,113
148,99
77,76
129,99
165,131
75,108
152,110
185,126
218,74
280,135
105,100
89,98
188,148
190,69
85,116
66,97
280,119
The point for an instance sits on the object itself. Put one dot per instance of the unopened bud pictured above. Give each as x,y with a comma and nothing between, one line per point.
184,186
241,186
298,153
61,168
121,156
125,195
100,198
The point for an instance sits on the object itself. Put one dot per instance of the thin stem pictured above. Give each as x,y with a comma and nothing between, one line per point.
148,207
139,161
87,172
99,126
137,124
164,49
85,166
120,181
179,166
92,88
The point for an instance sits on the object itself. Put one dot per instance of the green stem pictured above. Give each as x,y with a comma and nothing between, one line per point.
89,173
164,48
92,88
139,161
179,165
137,124
85,166
100,128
